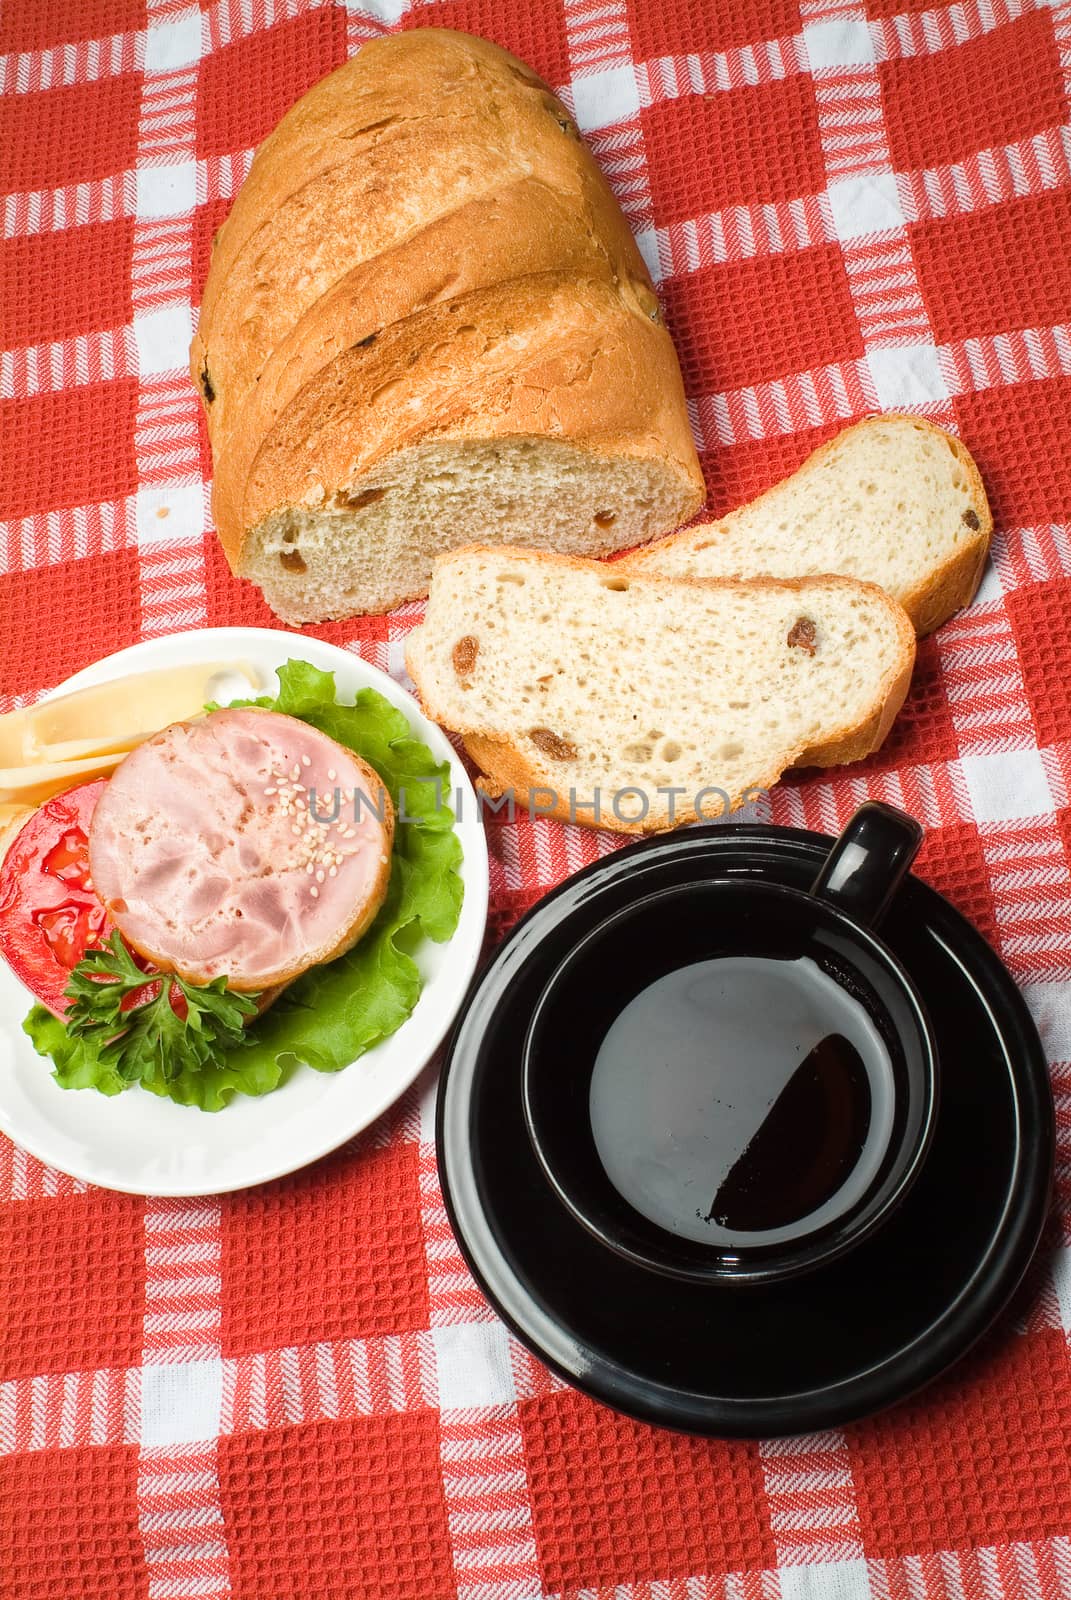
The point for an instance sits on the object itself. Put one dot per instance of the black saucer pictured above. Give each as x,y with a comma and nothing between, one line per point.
756,1360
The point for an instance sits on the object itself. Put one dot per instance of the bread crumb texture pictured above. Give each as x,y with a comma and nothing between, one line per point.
893,501
593,679
367,552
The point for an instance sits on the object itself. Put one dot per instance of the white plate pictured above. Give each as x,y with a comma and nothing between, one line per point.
143,1145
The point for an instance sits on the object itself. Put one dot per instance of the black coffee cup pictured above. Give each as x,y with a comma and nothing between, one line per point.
735,1080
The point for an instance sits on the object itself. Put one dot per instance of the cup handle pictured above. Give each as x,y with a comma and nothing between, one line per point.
866,866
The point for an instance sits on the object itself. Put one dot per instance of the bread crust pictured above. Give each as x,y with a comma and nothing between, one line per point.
392,88
546,355
392,265
523,230
954,585
944,591
454,170
505,766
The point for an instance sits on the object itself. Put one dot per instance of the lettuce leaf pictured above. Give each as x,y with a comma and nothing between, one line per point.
333,1013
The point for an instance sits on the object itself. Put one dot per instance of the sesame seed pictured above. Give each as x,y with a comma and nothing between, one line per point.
331,773
269,791
383,859
320,877
332,872
305,762
314,892
309,868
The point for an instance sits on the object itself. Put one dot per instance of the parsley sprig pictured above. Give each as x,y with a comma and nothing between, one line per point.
150,1041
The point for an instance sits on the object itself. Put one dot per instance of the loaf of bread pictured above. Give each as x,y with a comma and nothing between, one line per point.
893,501
426,319
576,682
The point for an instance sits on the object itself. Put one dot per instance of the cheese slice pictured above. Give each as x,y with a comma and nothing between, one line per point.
108,719
30,785
82,749
48,747
13,738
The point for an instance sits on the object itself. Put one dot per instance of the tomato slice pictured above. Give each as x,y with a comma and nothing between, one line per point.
49,911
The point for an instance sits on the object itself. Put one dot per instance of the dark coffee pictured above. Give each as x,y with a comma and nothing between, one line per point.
743,1100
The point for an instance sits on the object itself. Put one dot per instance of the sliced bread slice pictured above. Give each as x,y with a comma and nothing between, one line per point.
893,501
578,685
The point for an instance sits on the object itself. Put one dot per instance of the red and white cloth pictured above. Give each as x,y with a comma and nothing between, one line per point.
848,206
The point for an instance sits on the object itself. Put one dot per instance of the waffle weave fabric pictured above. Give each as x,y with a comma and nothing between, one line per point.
848,206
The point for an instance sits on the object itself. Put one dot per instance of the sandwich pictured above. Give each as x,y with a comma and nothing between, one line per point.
242,894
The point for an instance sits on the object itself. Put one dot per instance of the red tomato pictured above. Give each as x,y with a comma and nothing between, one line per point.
49,912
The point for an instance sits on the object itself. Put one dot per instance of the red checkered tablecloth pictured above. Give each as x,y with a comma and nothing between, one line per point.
848,206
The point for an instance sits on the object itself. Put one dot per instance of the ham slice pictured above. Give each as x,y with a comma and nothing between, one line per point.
211,862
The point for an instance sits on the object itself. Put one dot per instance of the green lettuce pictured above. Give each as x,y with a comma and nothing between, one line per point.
333,1013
